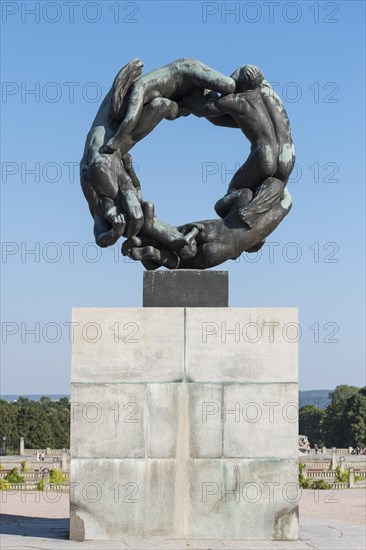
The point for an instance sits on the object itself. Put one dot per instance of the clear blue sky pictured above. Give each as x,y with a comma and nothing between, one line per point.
314,51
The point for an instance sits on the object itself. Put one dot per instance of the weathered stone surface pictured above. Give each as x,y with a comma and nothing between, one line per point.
163,419
229,499
118,498
205,425
241,344
194,402
248,499
128,345
107,420
259,420
185,288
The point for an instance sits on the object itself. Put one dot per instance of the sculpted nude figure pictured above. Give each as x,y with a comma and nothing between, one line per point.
131,110
256,200
109,181
107,233
218,240
173,81
259,113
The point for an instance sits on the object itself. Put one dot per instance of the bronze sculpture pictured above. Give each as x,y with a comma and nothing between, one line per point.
257,198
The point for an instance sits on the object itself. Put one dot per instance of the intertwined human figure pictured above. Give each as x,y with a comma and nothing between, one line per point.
256,200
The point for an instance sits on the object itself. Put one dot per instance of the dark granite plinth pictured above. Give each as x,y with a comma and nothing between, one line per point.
185,288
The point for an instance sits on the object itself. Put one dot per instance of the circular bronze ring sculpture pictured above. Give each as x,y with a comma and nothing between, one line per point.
257,198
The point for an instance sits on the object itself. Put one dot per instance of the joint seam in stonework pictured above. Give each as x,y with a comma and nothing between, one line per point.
185,345
146,419
293,459
187,381
222,423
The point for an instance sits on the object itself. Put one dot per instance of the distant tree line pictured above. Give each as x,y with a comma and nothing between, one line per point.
342,424
43,423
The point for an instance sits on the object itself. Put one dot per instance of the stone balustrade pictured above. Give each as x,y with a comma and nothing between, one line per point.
324,464
49,452
38,475
322,475
31,465
325,450
312,464
63,488
339,485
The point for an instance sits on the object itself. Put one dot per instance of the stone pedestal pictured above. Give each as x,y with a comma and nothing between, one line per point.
186,288
184,423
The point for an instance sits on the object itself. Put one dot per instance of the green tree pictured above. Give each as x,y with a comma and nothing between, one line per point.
344,422
334,432
34,426
64,402
42,424
45,401
354,416
59,419
9,423
310,423
342,392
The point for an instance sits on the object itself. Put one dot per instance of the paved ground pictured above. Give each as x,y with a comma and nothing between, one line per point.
330,520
